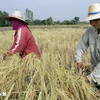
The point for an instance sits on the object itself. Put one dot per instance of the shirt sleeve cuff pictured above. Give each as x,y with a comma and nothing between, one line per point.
91,78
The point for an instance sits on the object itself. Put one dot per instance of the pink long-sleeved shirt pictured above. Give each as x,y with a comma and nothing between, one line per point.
24,42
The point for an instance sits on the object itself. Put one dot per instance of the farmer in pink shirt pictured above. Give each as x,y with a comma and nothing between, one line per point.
24,42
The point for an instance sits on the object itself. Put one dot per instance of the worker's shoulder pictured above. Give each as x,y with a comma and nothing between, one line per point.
23,28
91,28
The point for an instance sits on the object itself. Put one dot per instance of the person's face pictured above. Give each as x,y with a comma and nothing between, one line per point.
95,23
14,23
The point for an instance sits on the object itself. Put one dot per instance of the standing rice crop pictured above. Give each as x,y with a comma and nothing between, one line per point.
53,76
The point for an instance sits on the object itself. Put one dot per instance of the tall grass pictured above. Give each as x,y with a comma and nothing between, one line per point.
53,76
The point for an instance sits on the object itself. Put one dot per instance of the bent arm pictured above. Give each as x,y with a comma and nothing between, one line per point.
82,47
20,42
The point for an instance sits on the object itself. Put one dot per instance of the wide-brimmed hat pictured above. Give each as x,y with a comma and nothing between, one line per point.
16,14
93,12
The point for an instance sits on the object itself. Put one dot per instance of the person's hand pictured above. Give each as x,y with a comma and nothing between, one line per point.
4,56
86,80
80,66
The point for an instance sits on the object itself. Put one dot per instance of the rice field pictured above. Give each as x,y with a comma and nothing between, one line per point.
52,77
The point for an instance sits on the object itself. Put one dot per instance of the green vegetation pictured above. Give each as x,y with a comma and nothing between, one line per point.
29,17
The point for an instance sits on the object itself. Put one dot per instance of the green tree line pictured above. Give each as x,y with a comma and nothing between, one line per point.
29,17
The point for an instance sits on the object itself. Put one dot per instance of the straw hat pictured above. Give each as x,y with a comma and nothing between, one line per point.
16,14
93,12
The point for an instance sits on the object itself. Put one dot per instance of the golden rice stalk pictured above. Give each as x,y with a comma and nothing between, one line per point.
9,93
